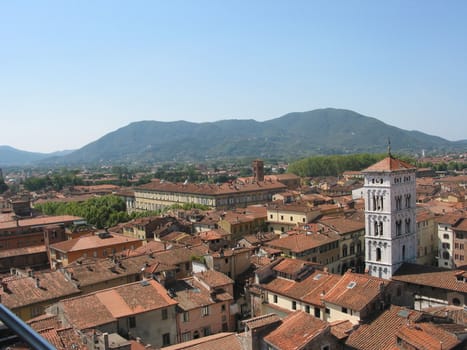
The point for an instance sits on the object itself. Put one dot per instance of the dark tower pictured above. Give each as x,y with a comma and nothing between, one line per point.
258,170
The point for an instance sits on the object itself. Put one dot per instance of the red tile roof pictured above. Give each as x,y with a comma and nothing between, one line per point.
40,221
108,305
227,341
63,338
456,313
427,336
210,189
22,291
355,291
430,276
310,289
296,331
302,242
45,321
341,329
389,164
93,241
213,279
381,333
261,321
292,266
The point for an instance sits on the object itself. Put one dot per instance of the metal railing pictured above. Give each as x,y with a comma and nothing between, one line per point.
26,333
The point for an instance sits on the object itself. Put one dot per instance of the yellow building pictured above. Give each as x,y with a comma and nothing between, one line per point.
159,194
283,217
427,238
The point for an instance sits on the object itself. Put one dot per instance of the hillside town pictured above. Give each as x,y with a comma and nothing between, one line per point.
371,259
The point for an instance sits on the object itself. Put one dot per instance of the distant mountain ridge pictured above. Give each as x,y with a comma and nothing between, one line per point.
10,156
294,135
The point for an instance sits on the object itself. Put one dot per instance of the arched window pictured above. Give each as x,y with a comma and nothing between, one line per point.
446,255
398,227
378,254
403,253
381,228
352,249
407,225
359,247
456,301
407,200
344,250
376,228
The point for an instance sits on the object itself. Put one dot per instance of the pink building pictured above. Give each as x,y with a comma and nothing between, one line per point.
204,302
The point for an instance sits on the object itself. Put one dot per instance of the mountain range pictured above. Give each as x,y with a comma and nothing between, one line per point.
292,136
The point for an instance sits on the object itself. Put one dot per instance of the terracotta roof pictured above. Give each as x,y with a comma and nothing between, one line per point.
45,321
450,219
86,312
296,331
191,294
22,291
461,226
218,341
381,333
92,241
343,225
40,221
63,338
259,261
389,164
355,291
213,235
427,336
341,329
292,266
456,313
296,207
302,242
310,289
210,189
91,271
108,305
261,321
23,251
430,276
213,278
150,247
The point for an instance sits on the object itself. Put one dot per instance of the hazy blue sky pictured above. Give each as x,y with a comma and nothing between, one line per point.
72,71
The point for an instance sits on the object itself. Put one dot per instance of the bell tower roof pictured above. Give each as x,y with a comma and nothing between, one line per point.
389,164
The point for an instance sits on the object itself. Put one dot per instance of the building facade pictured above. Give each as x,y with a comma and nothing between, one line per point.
390,216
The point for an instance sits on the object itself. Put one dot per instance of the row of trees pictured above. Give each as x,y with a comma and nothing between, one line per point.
101,212
105,211
55,182
443,166
333,165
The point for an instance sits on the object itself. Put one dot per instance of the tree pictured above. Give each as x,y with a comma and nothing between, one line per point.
100,212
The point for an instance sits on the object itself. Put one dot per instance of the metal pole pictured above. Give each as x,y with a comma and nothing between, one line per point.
25,332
